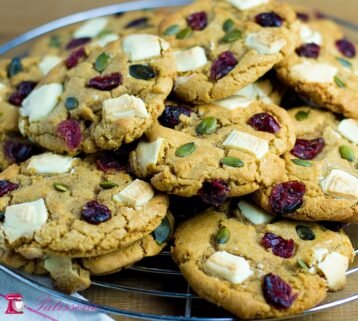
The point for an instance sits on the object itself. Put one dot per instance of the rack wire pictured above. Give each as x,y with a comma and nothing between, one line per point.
155,277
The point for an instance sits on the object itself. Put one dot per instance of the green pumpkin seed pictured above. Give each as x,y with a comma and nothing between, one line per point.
344,62
302,264
228,25
2,216
207,126
101,62
14,67
232,36
71,103
60,187
305,233
142,72
185,150
104,32
55,42
347,153
108,185
339,82
222,235
162,232
301,162
232,162
302,115
185,33
172,30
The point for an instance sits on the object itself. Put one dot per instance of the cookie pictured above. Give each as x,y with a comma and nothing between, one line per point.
98,31
219,51
324,67
322,177
99,98
63,206
149,245
260,270
215,151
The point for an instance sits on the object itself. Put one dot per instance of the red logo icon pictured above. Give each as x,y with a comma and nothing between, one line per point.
15,304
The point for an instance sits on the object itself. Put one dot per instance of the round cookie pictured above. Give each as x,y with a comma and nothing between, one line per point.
219,51
322,177
98,31
324,67
233,264
64,206
122,258
215,151
99,98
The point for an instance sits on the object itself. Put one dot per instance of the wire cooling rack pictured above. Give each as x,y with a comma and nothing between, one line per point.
156,280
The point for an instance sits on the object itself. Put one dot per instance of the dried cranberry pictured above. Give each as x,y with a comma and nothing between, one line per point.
302,16
70,131
74,58
74,43
280,246
23,89
6,187
112,160
106,82
223,65
277,292
287,197
333,226
95,213
308,149
138,23
346,48
171,115
18,152
269,19
214,192
197,20
309,50
264,122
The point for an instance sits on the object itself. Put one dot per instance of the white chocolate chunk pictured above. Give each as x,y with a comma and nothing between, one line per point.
148,153
314,72
248,143
91,28
22,220
254,214
265,42
307,35
125,106
319,254
341,184
334,268
141,46
232,268
103,41
246,4
190,59
41,101
181,80
136,194
48,63
349,129
49,163
57,264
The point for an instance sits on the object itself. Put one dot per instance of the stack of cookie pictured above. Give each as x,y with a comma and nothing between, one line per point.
243,109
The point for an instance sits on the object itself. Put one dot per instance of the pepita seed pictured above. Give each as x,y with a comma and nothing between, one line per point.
142,72
185,33
302,264
301,162
108,185
101,62
60,187
305,233
55,42
339,82
344,62
232,36
71,103
222,235
206,126
185,150
347,153
232,162
163,231
14,67
172,30
302,115
228,25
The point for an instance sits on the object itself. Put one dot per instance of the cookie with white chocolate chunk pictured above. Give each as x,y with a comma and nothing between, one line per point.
100,98
215,151
64,206
322,176
324,67
257,269
218,51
